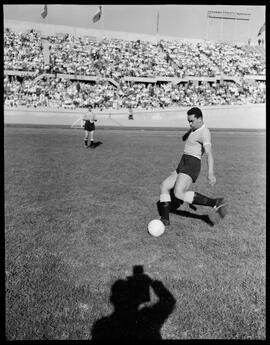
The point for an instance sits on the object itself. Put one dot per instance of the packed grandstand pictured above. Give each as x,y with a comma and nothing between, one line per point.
74,72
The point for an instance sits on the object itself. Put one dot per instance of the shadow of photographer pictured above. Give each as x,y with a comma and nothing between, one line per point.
138,313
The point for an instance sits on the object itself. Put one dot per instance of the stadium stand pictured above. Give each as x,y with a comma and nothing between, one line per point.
65,71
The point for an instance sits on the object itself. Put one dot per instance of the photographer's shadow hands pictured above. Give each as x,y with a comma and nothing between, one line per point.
136,315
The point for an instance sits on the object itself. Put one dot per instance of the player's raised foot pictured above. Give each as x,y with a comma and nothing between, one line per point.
165,221
220,207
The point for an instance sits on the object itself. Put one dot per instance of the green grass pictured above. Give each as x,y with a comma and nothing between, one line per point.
76,222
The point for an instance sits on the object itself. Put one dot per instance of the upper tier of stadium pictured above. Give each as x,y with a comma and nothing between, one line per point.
61,66
115,57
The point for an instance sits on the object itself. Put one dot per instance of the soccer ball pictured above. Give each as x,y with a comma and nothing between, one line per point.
156,227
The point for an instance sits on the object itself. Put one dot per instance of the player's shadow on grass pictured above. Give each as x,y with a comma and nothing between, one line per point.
174,208
176,203
204,217
96,144
136,315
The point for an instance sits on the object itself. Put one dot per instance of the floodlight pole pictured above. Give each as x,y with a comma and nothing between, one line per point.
234,32
102,17
207,27
222,19
157,23
157,20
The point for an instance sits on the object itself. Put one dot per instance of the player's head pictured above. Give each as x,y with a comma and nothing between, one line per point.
195,118
196,112
89,107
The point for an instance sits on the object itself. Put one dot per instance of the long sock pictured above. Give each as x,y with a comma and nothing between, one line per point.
200,199
164,205
85,142
164,210
175,202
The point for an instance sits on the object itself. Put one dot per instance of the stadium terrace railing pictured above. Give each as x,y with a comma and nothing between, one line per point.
137,79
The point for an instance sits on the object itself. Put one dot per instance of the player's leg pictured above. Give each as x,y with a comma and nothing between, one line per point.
86,135
181,188
165,197
175,202
92,139
181,191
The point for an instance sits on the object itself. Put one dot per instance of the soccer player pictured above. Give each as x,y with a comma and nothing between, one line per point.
130,113
89,127
175,189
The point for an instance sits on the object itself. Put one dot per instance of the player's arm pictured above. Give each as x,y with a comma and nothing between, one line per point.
210,163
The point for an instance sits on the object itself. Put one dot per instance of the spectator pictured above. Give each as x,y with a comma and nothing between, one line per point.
117,59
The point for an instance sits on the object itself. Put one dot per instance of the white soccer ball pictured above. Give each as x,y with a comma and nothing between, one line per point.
156,227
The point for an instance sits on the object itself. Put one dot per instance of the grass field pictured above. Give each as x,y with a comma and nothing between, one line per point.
76,223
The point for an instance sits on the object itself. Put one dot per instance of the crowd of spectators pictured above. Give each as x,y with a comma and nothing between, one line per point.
108,58
210,59
116,59
57,92
23,51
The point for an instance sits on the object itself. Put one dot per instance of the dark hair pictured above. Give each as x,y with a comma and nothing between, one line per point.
196,112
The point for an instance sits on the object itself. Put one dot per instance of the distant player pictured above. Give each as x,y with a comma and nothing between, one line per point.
174,190
89,127
130,113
